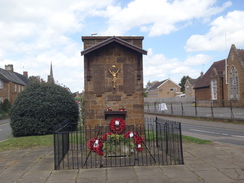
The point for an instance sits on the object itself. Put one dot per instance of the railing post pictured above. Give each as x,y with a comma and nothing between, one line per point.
54,150
156,122
212,110
231,110
182,110
195,108
166,138
181,147
171,108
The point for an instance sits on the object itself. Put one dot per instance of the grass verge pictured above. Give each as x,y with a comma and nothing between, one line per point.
188,139
16,143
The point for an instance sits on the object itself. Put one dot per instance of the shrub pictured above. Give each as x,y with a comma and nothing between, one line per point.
40,107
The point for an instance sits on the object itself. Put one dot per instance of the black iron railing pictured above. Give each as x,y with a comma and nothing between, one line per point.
158,142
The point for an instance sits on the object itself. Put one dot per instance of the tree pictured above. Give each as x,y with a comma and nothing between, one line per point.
182,83
40,107
35,79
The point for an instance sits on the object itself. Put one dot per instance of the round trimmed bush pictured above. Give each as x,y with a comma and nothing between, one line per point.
40,107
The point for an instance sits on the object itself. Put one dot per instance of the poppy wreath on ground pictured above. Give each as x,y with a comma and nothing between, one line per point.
96,145
117,125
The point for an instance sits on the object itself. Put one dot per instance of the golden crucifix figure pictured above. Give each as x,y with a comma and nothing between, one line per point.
114,79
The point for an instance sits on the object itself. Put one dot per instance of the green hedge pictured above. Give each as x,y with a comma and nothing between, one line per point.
40,107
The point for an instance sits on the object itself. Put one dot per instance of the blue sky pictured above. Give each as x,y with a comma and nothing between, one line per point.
182,37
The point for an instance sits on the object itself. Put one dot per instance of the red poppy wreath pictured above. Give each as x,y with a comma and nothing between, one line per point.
117,125
96,145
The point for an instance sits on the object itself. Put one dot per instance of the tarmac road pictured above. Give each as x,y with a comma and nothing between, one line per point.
210,130
5,129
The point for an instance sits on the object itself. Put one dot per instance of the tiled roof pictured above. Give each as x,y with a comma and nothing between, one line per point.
13,77
205,80
241,53
192,81
155,86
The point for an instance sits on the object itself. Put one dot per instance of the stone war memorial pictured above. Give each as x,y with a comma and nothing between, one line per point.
113,68
115,132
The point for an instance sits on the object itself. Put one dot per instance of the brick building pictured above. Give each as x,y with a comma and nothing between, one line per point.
11,83
223,82
165,88
113,77
190,85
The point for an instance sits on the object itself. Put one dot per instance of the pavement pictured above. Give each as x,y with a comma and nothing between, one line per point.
212,163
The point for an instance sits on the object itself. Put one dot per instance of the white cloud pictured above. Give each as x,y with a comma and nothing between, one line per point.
225,30
34,33
157,17
197,60
158,67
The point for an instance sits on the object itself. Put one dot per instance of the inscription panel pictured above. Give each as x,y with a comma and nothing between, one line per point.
129,78
114,98
99,79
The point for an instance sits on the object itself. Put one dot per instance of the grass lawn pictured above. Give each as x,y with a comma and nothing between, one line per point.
26,142
16,143
188,139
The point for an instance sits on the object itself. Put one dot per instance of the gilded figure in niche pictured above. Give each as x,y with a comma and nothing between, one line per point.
114,75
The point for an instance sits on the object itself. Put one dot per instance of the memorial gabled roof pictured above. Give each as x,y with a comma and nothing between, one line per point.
111,40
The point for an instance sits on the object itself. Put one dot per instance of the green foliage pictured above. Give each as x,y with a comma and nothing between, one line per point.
35,79
182,83
188,139
40,107
4,109
118,145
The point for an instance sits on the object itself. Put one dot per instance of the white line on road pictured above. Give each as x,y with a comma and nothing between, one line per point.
237,136
225,134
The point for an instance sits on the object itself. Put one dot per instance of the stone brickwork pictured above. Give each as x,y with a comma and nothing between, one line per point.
10,91
103,90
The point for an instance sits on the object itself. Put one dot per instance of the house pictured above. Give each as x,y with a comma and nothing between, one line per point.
11,83
190,85
222,83
165,88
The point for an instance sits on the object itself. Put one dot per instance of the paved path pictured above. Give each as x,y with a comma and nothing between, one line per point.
211,163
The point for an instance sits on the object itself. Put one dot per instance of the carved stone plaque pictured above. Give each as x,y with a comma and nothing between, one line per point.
129,78
99,79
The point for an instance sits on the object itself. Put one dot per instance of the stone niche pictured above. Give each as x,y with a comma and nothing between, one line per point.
113,78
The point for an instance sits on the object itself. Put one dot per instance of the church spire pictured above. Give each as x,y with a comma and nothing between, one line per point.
50,78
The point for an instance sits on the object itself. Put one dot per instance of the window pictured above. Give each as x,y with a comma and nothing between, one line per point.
1,84
171,89
234,84
214,89
15,88
187,88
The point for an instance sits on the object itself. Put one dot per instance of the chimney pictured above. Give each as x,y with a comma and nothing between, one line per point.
201,75
25,73
9,67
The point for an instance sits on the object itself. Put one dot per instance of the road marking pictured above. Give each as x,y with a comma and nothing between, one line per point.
237,136
4,124
225,134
